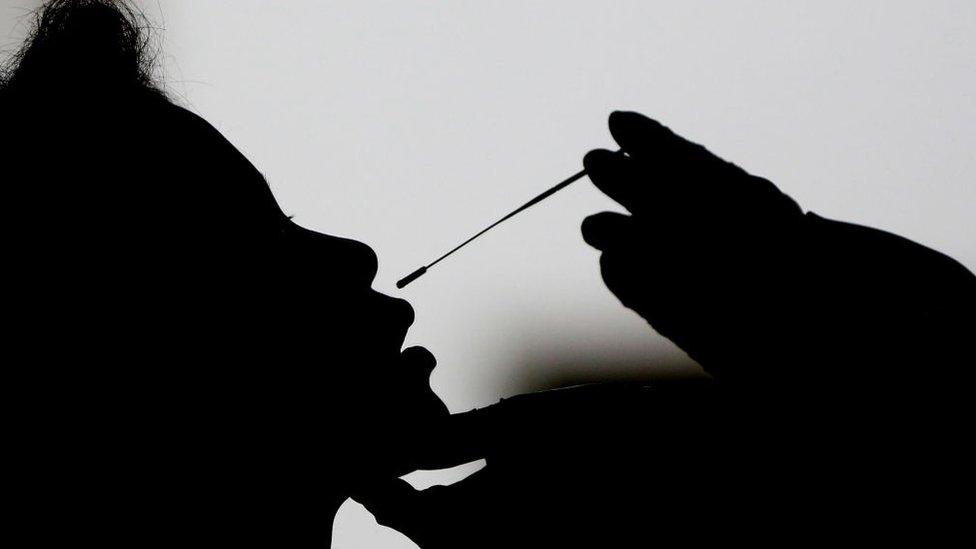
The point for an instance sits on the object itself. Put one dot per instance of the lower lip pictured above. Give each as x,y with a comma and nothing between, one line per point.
418,357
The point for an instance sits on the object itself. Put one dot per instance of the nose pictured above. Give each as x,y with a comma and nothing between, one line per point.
359,260
349,261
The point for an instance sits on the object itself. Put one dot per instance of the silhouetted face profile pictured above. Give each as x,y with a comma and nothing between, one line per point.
162,275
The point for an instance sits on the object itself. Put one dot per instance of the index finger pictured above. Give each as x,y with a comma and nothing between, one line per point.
616,176
650,141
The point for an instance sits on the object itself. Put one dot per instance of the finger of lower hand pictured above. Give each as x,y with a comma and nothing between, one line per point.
608,230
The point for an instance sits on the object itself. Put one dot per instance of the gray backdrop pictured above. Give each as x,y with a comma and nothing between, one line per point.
410,125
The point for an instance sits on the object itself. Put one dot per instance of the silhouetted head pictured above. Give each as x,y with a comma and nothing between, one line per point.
149,247
86,47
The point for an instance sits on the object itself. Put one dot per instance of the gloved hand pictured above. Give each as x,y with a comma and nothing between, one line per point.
706,255
730,269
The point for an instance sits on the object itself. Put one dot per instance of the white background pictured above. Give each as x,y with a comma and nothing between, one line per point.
410,125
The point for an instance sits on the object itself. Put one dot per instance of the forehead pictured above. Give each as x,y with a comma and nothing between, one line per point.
206,173
128,172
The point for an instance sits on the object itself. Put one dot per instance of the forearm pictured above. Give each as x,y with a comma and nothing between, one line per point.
886,300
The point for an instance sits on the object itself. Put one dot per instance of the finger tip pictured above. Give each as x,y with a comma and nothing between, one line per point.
618,116
602,230
631,117
627,125
596,159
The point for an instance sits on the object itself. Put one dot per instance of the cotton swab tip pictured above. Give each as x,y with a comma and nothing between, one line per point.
411,277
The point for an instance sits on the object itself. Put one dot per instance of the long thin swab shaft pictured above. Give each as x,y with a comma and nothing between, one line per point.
420,272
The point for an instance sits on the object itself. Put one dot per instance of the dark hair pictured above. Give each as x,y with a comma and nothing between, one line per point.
106,153
82,46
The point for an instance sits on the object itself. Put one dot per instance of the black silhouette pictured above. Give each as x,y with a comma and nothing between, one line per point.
842,364
154,285
190,367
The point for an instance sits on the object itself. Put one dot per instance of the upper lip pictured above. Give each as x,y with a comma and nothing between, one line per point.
398,316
